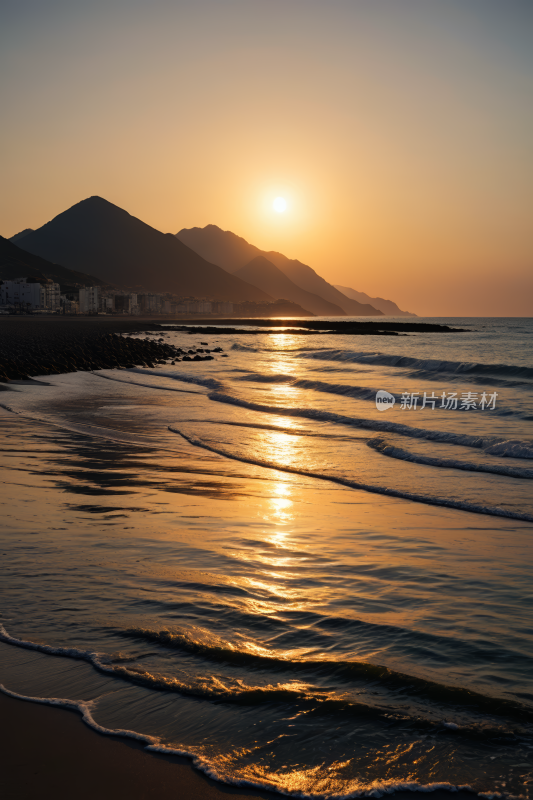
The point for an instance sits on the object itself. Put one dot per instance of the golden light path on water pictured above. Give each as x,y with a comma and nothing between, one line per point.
267,611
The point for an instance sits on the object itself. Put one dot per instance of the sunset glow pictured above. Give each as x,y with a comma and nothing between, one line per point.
398,134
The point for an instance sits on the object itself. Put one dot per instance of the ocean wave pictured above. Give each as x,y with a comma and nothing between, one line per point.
388,449
348,390
245,348
345,390
484,380
427,364
445,502
480,709
350,671
154,744
513,448
145,385
215,690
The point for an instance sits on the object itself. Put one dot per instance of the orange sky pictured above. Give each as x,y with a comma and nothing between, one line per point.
400,132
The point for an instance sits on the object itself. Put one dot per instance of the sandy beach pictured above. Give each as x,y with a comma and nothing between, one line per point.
190,548
49,753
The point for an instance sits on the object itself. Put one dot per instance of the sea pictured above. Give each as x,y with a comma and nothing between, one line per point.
247,562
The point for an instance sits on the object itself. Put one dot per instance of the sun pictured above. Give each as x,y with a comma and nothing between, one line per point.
279,205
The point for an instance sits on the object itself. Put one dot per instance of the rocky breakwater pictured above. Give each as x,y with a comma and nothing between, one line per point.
27,350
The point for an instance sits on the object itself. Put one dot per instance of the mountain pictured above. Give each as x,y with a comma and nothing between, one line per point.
233,252
17,263
104,240
386,306
264,274
18,236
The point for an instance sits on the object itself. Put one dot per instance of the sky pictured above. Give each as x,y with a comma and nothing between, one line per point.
400,132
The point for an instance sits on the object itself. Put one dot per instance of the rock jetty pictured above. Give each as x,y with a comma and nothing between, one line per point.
32,346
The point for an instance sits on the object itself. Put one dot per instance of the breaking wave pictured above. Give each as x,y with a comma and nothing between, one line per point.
480,709
427,364
404,455
347,390
366,487
376,788
512,448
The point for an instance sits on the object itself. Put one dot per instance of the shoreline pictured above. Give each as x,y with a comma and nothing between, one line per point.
39,345
32,346
49,752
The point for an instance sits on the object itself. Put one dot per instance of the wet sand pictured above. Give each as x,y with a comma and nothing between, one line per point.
49,752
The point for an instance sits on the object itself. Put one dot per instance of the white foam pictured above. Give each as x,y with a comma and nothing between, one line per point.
427,364
84,708
387,449
153,744
500,447
384,490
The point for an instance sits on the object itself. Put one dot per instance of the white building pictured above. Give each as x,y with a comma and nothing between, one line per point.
21,293
89,300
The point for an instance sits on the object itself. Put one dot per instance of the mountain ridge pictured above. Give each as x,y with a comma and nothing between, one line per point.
232,252
263,273
18,263
99,237
20,234
388,307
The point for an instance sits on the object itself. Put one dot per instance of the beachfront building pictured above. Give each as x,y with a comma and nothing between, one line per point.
150,303
69,304
50,296
193,306
89,299
105,303
20,294
126,303
26,294
222,308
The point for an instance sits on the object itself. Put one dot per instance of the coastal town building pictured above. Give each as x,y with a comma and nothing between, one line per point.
150,303
193,306
125,303
50,296
69,305
222,308
19,293
89,299
105,304
25,294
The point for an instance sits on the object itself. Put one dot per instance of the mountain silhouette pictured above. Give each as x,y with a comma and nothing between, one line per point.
233,252
386,306
102,239
19,235
264,274
17,263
